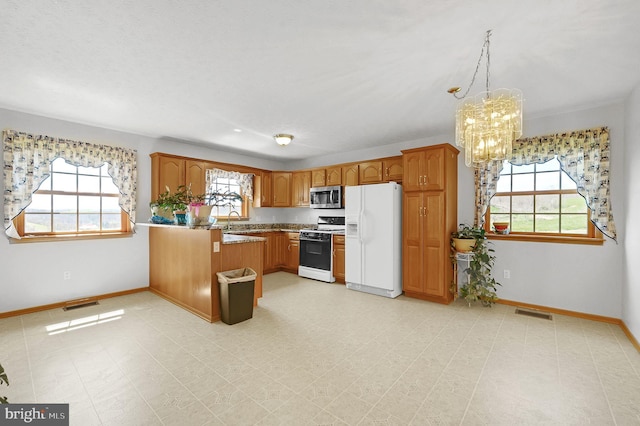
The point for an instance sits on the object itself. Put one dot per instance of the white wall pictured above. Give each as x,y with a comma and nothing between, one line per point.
567,276
579,278
32,274
631,276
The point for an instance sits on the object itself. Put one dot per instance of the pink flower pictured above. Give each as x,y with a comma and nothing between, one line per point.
196,205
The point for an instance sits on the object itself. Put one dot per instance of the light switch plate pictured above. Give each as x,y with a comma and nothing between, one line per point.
216,246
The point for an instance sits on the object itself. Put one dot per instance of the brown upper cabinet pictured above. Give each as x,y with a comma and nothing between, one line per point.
393,169
263,189
334,176
350,175
301,184
424,169
172,172
281,189
196,175
166,172
318,178
370,172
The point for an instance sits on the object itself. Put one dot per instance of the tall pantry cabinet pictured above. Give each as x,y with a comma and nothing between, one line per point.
429,216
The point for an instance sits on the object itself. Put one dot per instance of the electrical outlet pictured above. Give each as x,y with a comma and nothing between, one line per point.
216,246
507,274
66,275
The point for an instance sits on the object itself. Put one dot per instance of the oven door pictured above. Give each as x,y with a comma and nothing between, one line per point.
316,252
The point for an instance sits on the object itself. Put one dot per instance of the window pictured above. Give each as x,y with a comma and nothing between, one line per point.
229,191
74,200
226,204
540,200
28,160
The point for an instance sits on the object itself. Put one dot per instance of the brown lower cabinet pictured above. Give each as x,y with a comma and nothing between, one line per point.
183,266
282,253
292,252
274,258
338,258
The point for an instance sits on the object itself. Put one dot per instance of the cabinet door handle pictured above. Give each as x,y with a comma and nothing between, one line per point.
289,247
387,172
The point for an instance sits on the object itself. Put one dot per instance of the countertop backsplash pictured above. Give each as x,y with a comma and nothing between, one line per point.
265,227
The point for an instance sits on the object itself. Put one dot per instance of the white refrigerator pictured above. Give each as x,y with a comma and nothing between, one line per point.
373,238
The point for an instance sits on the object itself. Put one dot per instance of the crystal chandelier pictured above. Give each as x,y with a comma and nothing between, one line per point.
489,122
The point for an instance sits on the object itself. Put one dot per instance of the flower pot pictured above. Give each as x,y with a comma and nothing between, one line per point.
464,245
161,212
180,217
501,227
199,216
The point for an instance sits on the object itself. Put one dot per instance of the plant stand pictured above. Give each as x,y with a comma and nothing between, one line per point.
461,264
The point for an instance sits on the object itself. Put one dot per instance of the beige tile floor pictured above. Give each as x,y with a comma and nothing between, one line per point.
319,354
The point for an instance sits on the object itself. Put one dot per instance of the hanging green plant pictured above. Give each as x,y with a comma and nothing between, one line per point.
481,286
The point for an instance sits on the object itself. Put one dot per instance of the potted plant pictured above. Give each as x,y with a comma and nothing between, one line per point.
480,284
162,207
189,208
200,206
501,227
3,380
198,212
465,237
176,203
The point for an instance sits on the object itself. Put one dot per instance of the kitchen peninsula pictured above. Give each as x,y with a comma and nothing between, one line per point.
183,263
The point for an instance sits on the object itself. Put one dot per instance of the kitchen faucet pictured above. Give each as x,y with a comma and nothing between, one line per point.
229,218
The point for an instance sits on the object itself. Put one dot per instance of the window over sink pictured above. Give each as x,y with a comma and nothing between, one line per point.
228,191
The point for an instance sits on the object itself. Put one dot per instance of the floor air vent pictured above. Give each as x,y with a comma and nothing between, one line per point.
77,304
534,313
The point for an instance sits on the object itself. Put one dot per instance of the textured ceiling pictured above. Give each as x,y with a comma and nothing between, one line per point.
339,75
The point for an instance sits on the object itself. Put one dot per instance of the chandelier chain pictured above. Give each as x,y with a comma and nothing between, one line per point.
475,73
486,43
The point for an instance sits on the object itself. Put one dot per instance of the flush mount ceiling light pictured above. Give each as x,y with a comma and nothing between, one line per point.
283,139
489,122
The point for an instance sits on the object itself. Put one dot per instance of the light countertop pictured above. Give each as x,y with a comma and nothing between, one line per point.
239,239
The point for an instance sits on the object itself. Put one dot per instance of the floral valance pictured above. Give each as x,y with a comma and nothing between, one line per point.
583,155
27,160
245,180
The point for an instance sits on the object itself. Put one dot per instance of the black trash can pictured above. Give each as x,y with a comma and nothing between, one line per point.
236,294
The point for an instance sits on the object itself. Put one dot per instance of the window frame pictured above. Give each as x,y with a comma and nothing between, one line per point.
593,236
125,224
244,213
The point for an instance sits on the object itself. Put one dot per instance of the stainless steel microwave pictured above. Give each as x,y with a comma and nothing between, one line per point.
326,197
